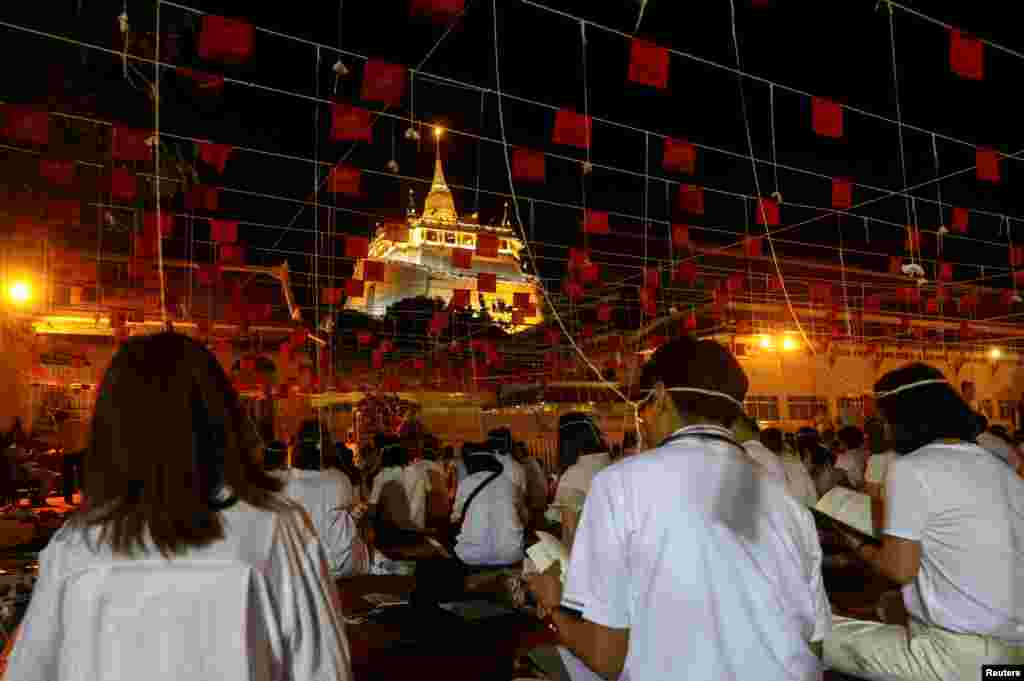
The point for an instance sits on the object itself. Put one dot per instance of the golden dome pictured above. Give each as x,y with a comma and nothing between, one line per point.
440,204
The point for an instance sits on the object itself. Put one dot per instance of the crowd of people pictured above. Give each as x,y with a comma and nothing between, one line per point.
693,552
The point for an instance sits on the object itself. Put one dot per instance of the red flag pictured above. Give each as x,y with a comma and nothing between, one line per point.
215,155
680,235
129,144
232,254
595,222
821,293
224,231
767,212
873,303
752,246
553,335
604,312
460,298
590,273
679,157
691,199
364,337
202,197
63,212
587,331
374,270
259,312
383,82
520,300
437,10
842,194
987,162
826,118
965,329
1016,256
572,289
486,282
344,179
357,247
123,184
209,275
330,296
166,228
774,283
966,55
913,238
931,306
528,165
652,278
350,123
649,301
571,129
910,295
945,271
1007,298
960,217
734,283
204,82
354,288
462,258
26,126
686,272
691,322
57,172
648,64
487,245
578,257
968,302
226,40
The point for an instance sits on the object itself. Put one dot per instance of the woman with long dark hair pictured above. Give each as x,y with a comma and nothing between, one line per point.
175,475
953,536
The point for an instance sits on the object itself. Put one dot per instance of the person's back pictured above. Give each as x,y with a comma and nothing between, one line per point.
328,499
492,529
723,567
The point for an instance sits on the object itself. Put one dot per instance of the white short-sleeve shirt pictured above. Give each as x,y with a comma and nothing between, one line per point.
492,531
401,492
798,480
766,459
853,462
966,509
878,466
328,499
575,483
712,566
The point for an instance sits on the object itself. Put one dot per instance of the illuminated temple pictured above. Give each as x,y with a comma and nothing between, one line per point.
418,257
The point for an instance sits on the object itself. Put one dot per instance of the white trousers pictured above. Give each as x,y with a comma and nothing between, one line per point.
889,652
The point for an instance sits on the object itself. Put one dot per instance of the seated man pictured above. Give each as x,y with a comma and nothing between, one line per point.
493,524
854,459
952,538
680,551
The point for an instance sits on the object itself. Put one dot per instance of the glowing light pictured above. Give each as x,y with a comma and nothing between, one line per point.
438,131
766,342
995,353
788,344
20,292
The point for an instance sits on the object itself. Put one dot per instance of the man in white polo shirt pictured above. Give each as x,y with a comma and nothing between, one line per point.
688,562
953,537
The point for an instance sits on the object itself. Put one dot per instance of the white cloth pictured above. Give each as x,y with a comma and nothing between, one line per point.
853,462
713,567
878,467
966,509
575,483
798,480
492,532
766,459
328,500
514,471
1001,448
401,494
80,627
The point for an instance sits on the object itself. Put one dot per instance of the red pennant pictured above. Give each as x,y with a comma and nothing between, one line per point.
679,157
572,289
63,212
931,306
652,278
330,296
462,258
437,10
528,165
226,40
734,283
987,162
1016,256
344,179
571,129
966,55
209,275
520,300
649,301
60,173
364,337
767,212
578,257
826,118
350,123
895,264
942,294
590,273
129,144
752,246
648,64
123,184
357,247
486,282
487,245
224,231
354,288
910,295
374,270
595,222
383,82
959,218
774,283
460,298
232,254
945,271
873,303
378,359
25,126
166,221
604,312
1018,278
680,236
686,272
842,194
201,197
587,331
691,199
215,155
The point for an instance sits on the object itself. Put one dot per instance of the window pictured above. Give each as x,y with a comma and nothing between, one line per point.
851,406
1007,410
450,238
807,407
431,235
763,407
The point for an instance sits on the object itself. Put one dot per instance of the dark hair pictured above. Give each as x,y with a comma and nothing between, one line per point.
274,455
169,439
578,436
479,462
393,453
500,440
772,439
448,453
874,434
926,413
629,440
851,437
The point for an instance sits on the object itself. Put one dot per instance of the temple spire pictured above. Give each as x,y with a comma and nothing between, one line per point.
440,205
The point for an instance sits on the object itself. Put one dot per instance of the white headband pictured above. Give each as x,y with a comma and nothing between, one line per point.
908,386
702,391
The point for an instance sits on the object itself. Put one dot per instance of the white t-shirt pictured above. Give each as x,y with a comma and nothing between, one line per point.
853,462
514,471
283,558
1001,448
966,509
401,495
713,567
328,500
575,483
766,459
798,480
878,466
492,533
